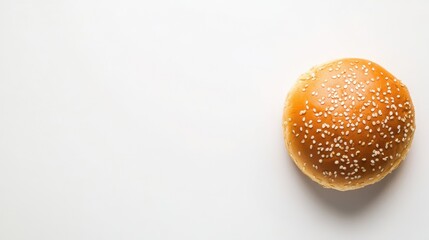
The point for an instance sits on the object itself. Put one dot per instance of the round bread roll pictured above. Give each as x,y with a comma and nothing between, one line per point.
348,123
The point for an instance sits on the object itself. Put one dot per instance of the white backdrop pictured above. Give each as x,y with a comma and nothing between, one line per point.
162,119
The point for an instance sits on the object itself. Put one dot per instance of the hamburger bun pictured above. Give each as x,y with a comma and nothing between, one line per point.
348,123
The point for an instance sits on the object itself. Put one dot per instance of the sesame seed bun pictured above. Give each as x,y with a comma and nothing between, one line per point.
348,123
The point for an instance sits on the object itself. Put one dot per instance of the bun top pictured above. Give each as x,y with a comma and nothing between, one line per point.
348,123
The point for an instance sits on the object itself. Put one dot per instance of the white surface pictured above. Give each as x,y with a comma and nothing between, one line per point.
162,119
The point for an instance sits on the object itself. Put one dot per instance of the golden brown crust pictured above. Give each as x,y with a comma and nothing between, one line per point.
348,123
